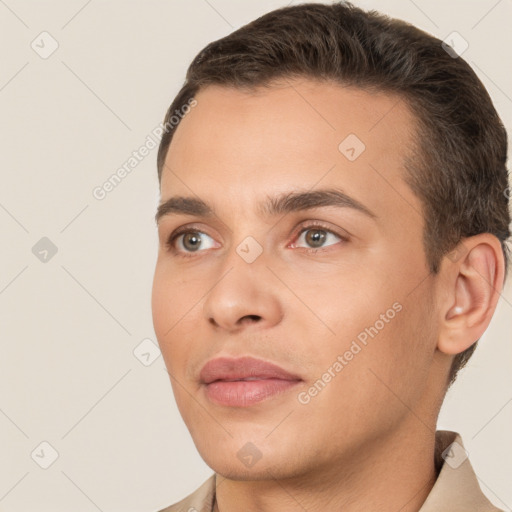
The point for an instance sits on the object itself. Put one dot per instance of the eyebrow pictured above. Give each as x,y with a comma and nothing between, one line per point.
272,206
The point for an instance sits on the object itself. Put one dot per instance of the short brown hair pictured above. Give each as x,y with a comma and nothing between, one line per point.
459,168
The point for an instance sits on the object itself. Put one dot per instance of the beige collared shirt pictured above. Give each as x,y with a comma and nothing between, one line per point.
456,488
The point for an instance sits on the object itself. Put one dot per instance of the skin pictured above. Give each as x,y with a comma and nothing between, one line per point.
373,425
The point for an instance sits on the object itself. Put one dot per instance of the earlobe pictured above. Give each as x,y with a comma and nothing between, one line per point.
474,284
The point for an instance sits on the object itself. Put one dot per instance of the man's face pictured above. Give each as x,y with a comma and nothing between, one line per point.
347,321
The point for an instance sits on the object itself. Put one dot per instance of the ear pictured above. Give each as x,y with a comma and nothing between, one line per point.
472,282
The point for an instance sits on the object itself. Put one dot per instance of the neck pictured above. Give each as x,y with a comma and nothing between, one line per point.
393,474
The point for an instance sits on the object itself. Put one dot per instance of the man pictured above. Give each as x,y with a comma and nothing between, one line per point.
332,227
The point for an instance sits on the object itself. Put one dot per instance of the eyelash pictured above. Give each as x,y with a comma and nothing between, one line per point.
304,227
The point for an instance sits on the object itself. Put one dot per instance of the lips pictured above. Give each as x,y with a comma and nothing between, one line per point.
244,381
243,368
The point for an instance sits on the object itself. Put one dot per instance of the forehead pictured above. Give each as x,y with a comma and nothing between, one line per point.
306,108
296,133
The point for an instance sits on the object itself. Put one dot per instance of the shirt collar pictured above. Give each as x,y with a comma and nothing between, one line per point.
456,487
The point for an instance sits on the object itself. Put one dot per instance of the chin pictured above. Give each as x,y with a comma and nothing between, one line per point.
259,472
244,460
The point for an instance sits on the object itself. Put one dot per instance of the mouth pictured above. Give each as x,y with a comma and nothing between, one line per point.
244,381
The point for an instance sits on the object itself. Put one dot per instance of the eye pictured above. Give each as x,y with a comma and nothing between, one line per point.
317,236
189,241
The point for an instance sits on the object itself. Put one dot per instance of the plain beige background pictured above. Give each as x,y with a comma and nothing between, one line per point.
79,368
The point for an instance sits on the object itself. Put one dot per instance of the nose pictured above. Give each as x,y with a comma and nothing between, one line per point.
246,294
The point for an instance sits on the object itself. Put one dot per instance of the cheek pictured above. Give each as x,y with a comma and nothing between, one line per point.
177,309
172,299
343,302
170,311
161,308
380,375
372,316
399,356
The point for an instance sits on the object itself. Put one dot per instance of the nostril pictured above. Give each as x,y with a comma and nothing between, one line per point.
250,318
241,321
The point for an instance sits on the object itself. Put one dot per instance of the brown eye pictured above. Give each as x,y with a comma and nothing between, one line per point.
189,241
317,237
